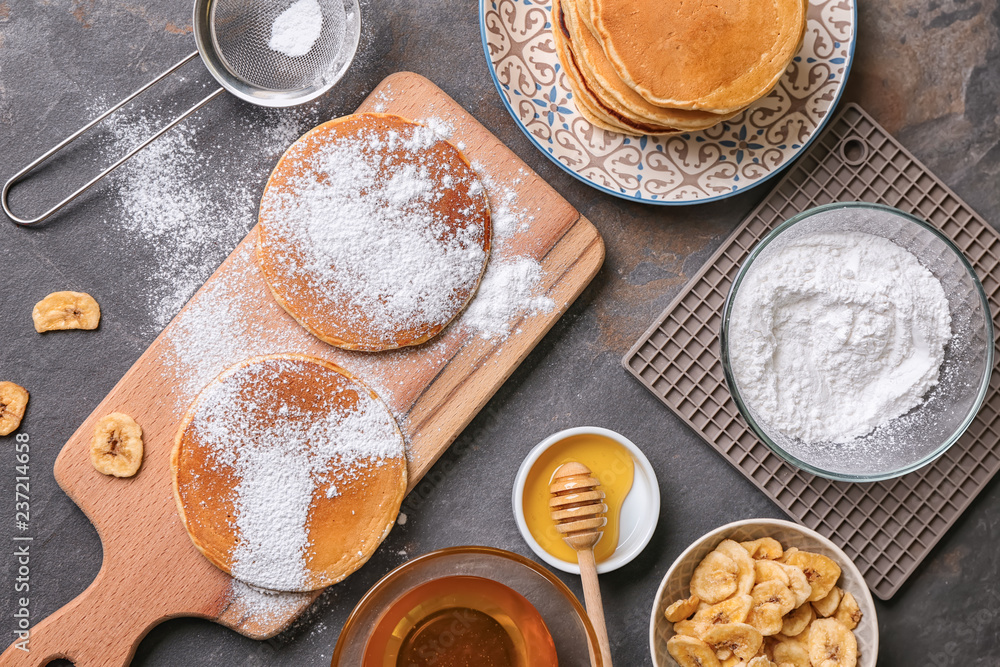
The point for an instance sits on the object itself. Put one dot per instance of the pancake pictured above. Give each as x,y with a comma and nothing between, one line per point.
586,102
602,79
710,55
374,232
288,472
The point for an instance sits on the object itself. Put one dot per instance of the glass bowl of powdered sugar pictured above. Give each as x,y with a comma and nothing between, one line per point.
857,342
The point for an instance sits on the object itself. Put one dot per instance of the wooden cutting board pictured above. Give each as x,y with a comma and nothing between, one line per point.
151,570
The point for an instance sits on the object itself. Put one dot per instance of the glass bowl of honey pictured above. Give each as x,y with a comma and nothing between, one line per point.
626,477
467,606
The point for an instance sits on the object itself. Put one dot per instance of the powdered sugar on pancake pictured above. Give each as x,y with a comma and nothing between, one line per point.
372,230
285,453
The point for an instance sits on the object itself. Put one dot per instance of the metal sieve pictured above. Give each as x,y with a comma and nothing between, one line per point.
233,39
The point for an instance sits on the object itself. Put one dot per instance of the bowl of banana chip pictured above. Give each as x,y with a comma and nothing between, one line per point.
763,593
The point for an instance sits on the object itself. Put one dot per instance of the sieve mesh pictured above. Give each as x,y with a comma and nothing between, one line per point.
241,31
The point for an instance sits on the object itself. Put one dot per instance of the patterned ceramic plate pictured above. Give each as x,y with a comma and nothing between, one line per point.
682,169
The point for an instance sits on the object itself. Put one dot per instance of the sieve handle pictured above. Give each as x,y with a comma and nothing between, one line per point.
19,176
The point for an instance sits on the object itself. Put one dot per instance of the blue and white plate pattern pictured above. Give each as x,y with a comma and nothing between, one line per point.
682,169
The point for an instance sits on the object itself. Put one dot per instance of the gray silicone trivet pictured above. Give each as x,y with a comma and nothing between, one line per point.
887,528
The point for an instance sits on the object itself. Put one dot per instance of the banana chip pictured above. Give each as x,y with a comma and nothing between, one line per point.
740,639
848,612
682,609
792,652
788,552
821,572
13,401
733,610
798,583
66,310
715,578
832,645
756,604
769,570
773,593
828,606
691,652
797,620
116,448
745,564
690,628
771,601
764,548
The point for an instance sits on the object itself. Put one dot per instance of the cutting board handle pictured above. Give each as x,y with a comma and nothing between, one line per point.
99,628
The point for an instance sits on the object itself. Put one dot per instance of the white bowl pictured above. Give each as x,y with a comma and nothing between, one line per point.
640,511
678,577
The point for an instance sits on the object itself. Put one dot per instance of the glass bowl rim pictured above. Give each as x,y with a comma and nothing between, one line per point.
743,408
400,570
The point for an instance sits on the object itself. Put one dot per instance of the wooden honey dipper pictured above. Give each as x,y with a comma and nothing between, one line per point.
578,509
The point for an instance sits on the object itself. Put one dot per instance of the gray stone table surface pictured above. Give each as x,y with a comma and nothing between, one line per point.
929,70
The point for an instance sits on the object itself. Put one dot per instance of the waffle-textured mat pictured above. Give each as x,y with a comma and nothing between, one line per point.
889,527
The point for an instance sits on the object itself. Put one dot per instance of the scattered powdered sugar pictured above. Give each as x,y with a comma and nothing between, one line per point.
222,327
297,28
372,237
508,290
265,606
510,286
282,454
506,215
215,332
169,209
837,334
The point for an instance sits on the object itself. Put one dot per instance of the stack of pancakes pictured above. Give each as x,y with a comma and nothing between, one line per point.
670,66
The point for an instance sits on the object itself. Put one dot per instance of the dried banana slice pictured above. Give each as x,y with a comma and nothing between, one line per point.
766,649
682,609
773,593
116,448
13,401
790,651
764,548
797,620
760,661
788,552
821,572
771,601
733,610
691,652
769,570
740,556
767,619
848,612
715,578
828,606
690,628
66,310
798,583
732,661
831,644
741,639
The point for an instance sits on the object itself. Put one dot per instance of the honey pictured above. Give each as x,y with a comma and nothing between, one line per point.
461,621
608,460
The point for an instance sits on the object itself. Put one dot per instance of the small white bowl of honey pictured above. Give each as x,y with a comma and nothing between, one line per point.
627,480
